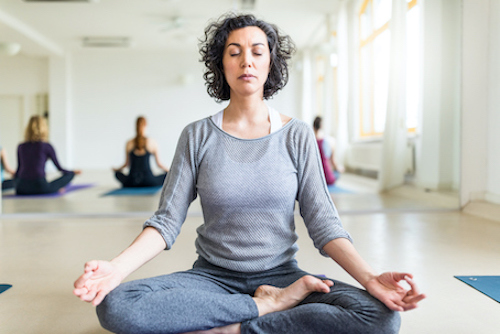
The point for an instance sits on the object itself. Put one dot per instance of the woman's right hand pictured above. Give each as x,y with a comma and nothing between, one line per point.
99,279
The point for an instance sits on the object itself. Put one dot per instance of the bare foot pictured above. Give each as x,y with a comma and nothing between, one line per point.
271,299
229,329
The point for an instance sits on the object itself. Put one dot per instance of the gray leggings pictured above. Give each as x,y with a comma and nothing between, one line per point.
208,296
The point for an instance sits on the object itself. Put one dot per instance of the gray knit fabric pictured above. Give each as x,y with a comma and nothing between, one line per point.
247,189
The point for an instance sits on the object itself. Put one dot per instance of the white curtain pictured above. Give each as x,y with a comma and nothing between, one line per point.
342,133
392,169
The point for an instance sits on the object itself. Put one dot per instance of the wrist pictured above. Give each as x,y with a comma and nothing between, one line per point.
367,279
121,268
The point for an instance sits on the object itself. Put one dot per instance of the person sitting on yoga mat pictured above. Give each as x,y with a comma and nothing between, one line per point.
137,155
249,164
4,165
330,167
32,156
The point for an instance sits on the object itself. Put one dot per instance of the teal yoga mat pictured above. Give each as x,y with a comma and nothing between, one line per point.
133,191
489,285
5,287
337,190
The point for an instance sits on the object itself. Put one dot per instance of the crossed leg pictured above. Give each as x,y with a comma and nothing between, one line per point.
212,300
270,299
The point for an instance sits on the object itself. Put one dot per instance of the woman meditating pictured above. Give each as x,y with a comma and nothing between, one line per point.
138,152
249,164
32,155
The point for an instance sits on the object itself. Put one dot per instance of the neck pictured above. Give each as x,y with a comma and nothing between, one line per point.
246,109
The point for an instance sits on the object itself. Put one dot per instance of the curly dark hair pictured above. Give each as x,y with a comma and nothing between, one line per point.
212,50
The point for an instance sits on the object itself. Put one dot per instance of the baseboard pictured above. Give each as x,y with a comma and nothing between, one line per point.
483,209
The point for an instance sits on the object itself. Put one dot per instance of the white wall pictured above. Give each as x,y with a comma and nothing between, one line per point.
21,77
110,88
493,183
477,102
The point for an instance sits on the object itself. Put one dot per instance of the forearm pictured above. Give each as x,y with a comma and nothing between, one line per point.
5,163
121,167
163,168
144,248
158,162
343,252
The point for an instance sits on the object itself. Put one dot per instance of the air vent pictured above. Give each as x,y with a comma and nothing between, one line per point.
247,4
106,42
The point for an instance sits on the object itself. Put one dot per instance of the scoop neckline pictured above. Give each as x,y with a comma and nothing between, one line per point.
250,139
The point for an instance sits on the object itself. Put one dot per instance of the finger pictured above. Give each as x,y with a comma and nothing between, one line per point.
80,282
99,297
91,266
79,292
414,299
410,307
399,276
393,306
399,303
89,296
412,284
414,304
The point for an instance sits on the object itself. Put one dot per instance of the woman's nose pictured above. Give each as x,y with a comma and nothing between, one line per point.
246,60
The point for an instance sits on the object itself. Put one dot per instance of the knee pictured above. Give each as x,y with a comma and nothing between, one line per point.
388,322
372,313
114,312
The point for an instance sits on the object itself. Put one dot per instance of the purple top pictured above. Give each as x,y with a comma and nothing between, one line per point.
31,159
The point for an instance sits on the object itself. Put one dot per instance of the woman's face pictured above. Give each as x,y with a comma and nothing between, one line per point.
246,61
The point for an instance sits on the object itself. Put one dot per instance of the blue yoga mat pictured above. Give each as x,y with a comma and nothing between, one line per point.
5,287
133,191
337,190
489,285
69,188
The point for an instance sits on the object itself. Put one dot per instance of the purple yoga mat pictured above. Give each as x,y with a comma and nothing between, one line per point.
69,188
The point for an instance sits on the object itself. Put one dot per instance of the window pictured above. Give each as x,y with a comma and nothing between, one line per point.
374,62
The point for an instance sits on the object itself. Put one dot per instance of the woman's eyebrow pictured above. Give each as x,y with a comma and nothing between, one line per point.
239,45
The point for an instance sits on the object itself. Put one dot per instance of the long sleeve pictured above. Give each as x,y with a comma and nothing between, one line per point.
19,162
316,206
51,153
179,190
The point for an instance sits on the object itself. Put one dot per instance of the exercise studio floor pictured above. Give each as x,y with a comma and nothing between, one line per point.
44,244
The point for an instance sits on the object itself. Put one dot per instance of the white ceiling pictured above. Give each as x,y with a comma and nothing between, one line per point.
44,28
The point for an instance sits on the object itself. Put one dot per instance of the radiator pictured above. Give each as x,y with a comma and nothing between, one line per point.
367,157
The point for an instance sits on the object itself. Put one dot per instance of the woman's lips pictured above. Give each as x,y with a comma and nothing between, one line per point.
246,77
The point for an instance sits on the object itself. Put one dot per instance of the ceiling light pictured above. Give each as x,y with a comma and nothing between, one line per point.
106,42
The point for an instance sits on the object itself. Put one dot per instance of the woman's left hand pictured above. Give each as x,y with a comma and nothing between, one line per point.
387,289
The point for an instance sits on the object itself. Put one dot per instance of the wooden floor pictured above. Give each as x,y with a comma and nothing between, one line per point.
44,244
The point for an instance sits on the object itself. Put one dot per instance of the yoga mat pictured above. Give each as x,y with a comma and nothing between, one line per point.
336,190
488,285
69,188
5,287
133,191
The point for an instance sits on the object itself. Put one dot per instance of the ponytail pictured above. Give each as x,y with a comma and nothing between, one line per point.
140,139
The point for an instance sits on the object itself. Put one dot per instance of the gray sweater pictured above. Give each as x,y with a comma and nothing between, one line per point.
247,189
